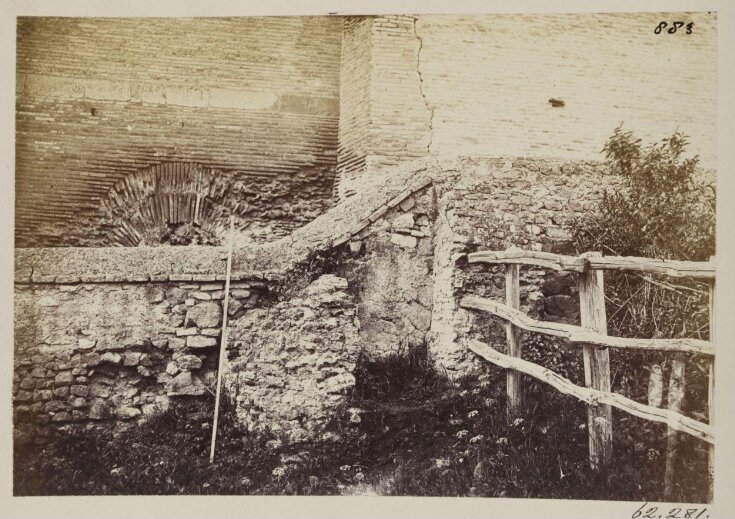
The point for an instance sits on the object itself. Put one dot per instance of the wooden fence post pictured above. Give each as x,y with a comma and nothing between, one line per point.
711,392
656,386
513,381
596,364
675,402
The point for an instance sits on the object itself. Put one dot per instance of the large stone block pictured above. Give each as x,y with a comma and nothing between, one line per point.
204,315
111,358
403,240
189,362
90,359
131,359
99,410
86,344
79,390
128,413
185,384
64,378
403,223
198,341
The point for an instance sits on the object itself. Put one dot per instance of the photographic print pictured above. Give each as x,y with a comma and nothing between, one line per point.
454,255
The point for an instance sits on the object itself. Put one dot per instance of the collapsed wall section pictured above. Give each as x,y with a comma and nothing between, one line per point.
390,270
111,335
290,364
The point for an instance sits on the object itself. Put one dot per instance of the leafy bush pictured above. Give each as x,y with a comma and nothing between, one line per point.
664,209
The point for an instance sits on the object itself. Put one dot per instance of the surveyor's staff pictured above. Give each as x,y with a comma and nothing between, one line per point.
223,340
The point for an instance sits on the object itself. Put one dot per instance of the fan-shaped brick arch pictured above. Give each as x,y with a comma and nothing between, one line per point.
169,194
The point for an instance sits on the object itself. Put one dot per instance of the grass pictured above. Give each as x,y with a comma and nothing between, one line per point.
405,430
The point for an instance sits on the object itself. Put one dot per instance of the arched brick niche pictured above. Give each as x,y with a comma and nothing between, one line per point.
177,203
183,203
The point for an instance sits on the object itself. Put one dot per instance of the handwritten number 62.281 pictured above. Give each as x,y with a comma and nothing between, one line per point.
675,26
654,512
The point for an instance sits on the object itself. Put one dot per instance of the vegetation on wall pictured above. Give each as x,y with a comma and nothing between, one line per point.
666,211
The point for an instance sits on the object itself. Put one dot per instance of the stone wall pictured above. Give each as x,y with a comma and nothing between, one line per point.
99,99
381,271
496,204
111,334
115,351
290,364
481,85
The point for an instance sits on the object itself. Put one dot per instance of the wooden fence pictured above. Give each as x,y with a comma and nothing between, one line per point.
592,335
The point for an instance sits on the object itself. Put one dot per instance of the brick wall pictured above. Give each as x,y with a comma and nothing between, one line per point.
98,99
383,117
502,70
461,85
354,91
397,105
265,98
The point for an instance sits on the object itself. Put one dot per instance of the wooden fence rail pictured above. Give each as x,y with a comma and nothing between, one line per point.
582,335
687,269
592,396
592,334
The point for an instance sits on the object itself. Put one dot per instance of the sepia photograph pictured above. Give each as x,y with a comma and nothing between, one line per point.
388,254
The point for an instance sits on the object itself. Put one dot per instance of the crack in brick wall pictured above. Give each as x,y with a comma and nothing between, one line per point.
471,85
429,107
